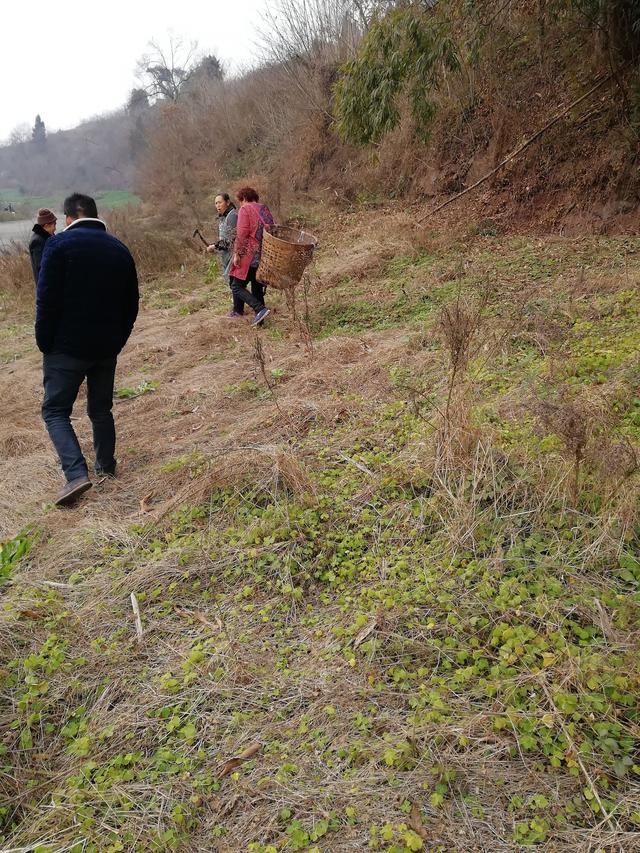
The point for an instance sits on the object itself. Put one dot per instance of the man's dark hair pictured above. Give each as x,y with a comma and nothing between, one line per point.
79,206
224,196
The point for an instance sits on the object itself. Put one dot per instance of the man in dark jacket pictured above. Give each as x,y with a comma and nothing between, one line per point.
44,228
87,303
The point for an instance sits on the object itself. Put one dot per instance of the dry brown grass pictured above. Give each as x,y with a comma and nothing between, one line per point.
16,281
155,247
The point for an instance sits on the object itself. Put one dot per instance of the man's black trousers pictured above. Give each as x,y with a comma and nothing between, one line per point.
63,376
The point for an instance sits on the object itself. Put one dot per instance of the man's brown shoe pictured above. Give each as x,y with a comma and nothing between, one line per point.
73,490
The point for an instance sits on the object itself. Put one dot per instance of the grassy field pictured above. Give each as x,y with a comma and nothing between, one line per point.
386,554
27,205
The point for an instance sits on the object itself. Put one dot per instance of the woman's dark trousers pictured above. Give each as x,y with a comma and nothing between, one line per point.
241,295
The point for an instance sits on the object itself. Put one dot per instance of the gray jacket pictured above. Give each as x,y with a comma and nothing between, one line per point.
227,227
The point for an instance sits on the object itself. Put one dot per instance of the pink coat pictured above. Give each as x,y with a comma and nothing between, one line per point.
246,243
251,217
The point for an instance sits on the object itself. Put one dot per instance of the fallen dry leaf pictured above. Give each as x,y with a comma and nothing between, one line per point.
230,765
369,628
416,824
227,808
200,617
215,626
145,503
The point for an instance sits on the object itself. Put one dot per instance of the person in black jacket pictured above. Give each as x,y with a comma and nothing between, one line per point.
44,228
86,305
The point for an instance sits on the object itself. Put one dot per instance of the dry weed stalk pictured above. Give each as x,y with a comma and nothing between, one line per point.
589,435
304,323
459,324
260,359
619,462
573,423
458,508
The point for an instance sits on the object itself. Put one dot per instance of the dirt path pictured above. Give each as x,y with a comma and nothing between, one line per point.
208,382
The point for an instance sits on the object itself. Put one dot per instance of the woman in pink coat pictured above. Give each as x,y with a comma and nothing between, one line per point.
253,217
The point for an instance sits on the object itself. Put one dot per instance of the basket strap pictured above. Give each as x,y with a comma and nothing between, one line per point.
264,222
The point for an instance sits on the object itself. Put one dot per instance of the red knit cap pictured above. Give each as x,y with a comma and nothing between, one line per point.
46,216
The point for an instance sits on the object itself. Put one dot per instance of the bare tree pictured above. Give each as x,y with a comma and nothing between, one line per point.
307,40
296,31
164,71
20,133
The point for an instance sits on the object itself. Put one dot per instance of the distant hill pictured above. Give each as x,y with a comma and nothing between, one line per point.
97,155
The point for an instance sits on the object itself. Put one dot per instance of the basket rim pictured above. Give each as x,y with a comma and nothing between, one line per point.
312,241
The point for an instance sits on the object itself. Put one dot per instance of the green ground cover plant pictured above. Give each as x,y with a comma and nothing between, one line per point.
408,622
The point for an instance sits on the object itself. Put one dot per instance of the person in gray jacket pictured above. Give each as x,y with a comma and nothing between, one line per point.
227,224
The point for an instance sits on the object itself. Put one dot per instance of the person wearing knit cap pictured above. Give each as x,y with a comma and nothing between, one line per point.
44,228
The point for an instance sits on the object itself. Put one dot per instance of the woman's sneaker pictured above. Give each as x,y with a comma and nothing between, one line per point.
260,316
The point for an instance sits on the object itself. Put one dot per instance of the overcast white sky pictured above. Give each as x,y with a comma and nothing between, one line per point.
74,59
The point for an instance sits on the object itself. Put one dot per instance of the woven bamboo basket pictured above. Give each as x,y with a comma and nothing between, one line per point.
286,253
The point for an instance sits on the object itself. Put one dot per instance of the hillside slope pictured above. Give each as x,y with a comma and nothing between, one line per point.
419,103
386,554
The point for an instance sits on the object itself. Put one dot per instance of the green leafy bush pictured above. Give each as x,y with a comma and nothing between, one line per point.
407,53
